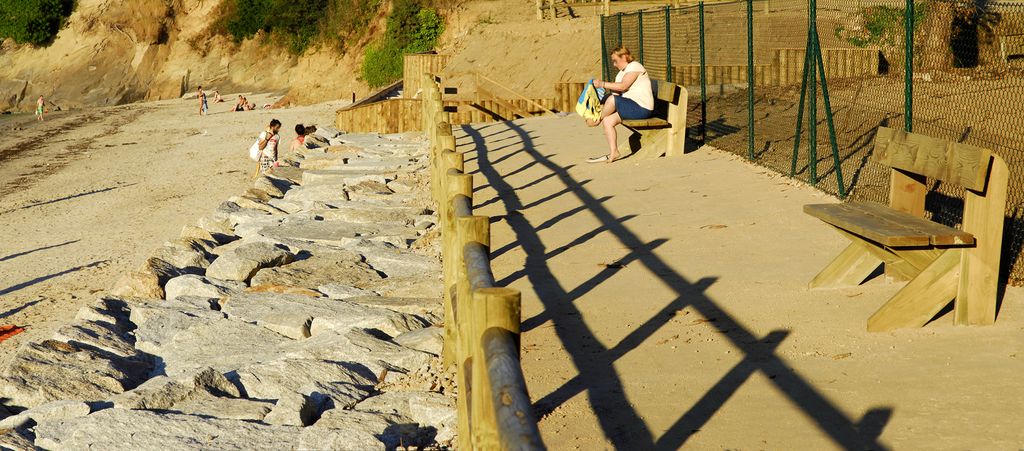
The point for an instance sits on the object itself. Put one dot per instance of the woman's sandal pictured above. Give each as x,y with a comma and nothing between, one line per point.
600,159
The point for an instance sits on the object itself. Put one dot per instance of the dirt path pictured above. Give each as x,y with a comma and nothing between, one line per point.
87,195
665,306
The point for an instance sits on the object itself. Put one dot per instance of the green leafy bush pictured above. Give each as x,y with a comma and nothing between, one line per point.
33,21
882,25
296,26
411,28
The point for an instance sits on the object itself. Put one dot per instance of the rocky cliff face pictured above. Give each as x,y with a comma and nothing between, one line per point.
114,52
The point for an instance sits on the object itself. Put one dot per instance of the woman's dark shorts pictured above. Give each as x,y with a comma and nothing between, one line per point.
630,110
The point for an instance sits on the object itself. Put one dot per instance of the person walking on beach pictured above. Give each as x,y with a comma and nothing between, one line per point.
203,107
266,146
632,98
40,108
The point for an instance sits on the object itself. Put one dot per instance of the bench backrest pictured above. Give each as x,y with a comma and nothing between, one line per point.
950,162
665,95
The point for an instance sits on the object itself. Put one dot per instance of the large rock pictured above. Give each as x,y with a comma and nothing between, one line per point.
221,230
396,262
319,192
274,186
356,346
429,339
51,411
97,335
273,379
193,285
279,311
422,307
335,395
158,324
289,173
107,429
429,409
337,177
148,280
339,232
227,408
52,370
107,309
368,213
243,263
233,214
321,269
342,291
293,409
223,344
396,430
186,253
255,204
409,286
164,393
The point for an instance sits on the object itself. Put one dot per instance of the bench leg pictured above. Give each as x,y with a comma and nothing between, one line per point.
643,143
850,268
921,299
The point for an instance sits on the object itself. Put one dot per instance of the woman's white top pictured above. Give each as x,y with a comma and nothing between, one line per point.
640,91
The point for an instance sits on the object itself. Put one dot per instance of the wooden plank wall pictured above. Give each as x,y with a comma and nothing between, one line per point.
415,65
404,115
786,68
566,94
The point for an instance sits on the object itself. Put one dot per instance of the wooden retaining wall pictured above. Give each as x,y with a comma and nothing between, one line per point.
415,65
786,68
405,115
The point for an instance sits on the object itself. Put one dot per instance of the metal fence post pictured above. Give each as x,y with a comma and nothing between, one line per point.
812,129
703,80
750,79
604,51
908,72
668,46
618,18
640,34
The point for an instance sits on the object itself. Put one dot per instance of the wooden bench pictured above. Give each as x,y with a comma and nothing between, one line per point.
942,263
1011,45
665,133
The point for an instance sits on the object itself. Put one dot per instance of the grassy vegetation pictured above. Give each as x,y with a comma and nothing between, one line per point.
883,25
412,27
33,21
296,26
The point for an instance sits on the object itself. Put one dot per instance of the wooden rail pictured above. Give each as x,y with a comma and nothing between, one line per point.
481,336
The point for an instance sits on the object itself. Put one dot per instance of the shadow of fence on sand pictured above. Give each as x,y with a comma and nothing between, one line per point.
620,422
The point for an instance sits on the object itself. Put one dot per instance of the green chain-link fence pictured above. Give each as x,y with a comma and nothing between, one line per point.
743,64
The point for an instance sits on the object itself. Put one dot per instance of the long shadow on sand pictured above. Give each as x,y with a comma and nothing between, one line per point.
41,279
621,423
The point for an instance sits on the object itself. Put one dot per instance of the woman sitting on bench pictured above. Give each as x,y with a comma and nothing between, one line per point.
631,99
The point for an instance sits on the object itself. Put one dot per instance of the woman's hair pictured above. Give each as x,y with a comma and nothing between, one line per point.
300,129
623,52
274,122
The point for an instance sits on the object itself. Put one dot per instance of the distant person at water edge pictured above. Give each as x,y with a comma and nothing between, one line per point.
267,145
203,107
630,98
40,108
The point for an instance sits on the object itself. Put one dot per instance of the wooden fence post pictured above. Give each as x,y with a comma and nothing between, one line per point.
469,229
492,307
459,184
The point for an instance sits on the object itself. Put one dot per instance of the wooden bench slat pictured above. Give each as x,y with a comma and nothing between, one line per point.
888,227
940,235
956,163
651,123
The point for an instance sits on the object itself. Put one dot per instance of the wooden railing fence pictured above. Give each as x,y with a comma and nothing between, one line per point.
481,336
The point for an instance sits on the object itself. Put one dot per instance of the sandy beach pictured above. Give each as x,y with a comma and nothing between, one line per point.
87,195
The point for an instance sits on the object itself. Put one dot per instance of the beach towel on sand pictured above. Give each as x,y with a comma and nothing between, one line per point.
588,106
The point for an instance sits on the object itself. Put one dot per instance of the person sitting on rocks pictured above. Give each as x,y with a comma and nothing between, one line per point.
299,142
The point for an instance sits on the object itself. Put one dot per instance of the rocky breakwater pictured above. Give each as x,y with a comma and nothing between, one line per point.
302,314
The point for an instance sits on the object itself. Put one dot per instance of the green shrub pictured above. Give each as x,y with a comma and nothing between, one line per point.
33,21
882,25
296,26
411,28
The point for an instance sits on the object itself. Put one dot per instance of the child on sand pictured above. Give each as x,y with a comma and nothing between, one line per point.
40,108
203,107
267,145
